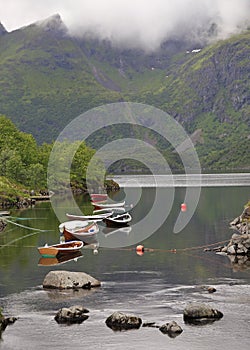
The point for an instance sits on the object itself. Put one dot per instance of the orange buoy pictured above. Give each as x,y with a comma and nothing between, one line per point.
183,207
140,250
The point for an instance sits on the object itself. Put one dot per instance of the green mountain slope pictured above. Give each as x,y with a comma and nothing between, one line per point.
46,81
47,78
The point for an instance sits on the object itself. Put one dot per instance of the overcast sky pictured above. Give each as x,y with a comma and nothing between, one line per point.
144,22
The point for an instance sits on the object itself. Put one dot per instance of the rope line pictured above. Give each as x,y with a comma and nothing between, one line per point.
17,239
23,219
27,227
173,250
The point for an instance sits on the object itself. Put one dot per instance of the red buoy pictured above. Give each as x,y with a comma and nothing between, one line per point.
140,250
183,207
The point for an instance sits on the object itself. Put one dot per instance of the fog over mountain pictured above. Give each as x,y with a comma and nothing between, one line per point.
140,23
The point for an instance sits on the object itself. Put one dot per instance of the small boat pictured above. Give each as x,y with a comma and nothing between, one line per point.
61,248
94,217
98,197
78,229
59,259
107,210
118,220
105,205
4,213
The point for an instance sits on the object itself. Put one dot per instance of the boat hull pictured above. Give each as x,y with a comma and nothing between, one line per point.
59,259
97,217
62,248
83,234
118,221
98,197
104,205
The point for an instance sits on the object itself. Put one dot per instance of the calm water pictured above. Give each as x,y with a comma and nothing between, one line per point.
156,286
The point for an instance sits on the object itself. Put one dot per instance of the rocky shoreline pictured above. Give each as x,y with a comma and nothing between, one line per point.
239,244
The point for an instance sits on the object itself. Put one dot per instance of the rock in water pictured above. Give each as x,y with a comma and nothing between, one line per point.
171,328
74,314
200,313
119,321
68,279
5,321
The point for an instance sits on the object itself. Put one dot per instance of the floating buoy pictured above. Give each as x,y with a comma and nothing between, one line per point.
140,250
183,207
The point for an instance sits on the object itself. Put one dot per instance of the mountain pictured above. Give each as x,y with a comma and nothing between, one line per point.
48,78
2,30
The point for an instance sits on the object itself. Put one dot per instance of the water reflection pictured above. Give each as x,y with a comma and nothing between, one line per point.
61,259
58,295
239,262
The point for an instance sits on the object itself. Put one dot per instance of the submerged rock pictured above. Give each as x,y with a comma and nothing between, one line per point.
201,314
119,321
67,279
172,329
74,314
150,325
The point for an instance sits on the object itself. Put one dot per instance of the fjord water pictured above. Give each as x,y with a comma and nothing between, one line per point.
155,286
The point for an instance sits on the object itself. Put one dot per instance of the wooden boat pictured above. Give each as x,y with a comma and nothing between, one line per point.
4,213
59,259
118,220
105,205
78,229
61,248
107,210
94,217
97,197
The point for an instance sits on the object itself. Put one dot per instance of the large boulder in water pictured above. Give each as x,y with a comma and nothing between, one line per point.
201,314
119,321
68,279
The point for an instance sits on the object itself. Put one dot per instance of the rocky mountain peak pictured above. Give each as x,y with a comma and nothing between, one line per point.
53,23
2,29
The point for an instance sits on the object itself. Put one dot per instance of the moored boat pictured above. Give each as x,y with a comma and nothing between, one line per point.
97,197
118,220
113,210
61,248
105,205
59,259
94,217
78,229
4,213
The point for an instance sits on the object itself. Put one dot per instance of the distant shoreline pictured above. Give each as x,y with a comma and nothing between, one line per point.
183,180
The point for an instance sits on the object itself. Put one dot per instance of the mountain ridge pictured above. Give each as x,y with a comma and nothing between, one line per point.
48,78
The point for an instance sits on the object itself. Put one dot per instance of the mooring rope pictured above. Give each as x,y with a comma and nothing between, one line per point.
18,239
23,219
27,227
172,250
205,246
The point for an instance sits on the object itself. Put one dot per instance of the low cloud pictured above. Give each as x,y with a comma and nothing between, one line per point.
140,23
